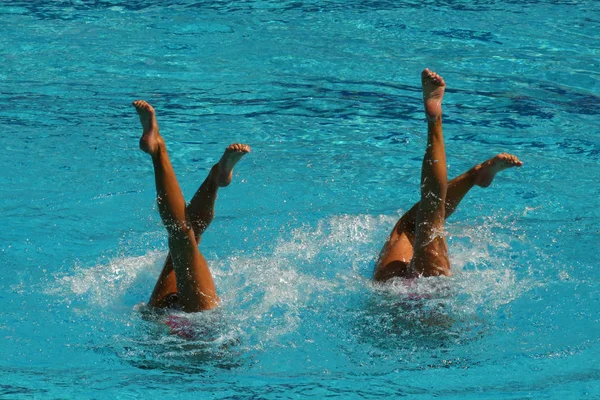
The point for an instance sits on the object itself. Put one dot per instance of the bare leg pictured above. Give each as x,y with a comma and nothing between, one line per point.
416,246
480,175
200,213
195,286
201,209
398,249
397,253
430,256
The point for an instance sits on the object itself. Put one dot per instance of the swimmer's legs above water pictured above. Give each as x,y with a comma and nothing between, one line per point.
200,212
187,271
397,253
430,257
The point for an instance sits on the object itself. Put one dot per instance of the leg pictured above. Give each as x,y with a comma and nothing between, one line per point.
201,209
398,253
398,249
480,175
195,286
430,249
200,213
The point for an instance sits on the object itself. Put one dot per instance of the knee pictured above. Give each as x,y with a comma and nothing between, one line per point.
431,204
179,230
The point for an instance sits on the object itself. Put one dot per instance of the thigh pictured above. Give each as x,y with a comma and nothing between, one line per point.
195,286
395,258
430,247
431,256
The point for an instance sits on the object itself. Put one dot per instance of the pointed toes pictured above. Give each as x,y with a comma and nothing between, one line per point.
238,147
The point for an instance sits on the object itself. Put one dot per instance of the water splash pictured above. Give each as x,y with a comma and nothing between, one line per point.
312,293
103,285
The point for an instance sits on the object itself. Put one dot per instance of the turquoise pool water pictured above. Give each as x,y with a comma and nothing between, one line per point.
327,94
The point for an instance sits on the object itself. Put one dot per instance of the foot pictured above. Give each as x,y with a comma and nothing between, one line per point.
151,141
486,171
222,171
433,93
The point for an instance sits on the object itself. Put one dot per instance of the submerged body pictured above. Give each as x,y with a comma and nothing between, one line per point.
417,245
185,282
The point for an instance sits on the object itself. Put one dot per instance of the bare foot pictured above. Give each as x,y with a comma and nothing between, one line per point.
151,141
433,93
485,172
223,170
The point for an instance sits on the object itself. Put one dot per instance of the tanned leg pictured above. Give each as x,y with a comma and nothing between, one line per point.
201,209
398,249
480,175
195,287
430,249
397,253
200,213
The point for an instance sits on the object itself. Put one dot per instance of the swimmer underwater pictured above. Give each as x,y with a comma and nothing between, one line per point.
185,282
417,245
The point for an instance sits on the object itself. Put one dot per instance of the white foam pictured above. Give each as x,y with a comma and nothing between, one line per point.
266,297
104,284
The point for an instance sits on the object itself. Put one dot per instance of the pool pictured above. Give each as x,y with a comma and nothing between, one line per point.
327,94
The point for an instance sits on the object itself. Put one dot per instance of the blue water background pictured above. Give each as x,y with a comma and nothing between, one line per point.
327,94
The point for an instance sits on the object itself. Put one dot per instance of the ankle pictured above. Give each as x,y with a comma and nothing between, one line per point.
158,150
213,175
434,119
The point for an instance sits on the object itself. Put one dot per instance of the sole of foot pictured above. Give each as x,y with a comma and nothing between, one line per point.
488,170
151,140
224,168
433,93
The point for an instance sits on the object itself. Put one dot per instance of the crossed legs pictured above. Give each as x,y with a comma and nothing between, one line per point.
185,272
416,246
